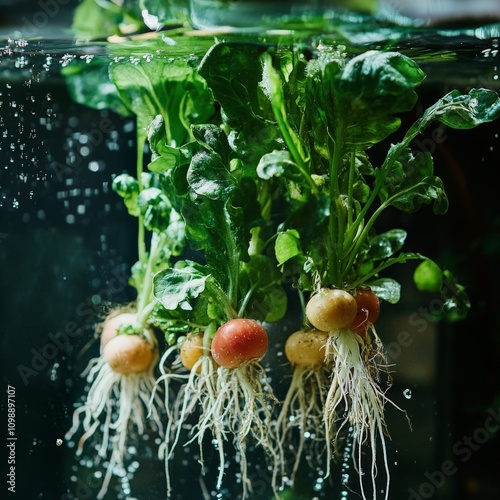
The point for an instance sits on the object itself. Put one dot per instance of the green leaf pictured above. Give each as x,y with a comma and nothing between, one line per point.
155,208
466,111
128,188
178,287
164,157
428,276
459,111
91,20
273,305
277,164
158,13
287,246
162,86
260,285
89,84
386,289
208,176
411,182
175,234
213,139
233,73
368,93
386,244
456,301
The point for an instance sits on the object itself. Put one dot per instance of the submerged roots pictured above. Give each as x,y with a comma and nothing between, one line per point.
117,403
355,392
302,415
233,404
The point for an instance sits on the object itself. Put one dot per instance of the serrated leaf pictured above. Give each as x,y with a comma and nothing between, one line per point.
155,208
411,182
213,139
467,111
370,91
176,288
127,187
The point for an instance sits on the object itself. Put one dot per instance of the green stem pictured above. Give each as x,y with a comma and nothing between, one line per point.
337,213
383,266
223,299
291,139
208,335
394,154
245,301
364,234
350,189
141,232
146,301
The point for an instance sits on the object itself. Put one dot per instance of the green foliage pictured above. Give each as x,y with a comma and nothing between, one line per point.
102,18
279,184
177,287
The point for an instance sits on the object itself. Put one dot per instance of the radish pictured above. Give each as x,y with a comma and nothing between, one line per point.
128,354
331,309
306,348
239,341
368,306
124,368
113,323
191,352
230,388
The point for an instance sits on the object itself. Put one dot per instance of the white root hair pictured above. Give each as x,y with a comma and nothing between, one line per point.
114,403
356,394
233,403
302,414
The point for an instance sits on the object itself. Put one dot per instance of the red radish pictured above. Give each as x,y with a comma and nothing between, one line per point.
239,341
331,309
368,311
128,354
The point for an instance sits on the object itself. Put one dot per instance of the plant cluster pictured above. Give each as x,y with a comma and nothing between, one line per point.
259,186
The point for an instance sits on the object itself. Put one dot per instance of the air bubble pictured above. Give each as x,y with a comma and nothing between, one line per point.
407,393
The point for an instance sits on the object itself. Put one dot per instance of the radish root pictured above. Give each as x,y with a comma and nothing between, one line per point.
232,403
115,403
356,394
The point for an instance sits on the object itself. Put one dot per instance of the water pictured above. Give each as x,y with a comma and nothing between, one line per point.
67,244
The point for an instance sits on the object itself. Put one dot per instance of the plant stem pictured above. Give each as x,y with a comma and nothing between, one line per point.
141,232
222,297
207,336
337,213
146,300
350,188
